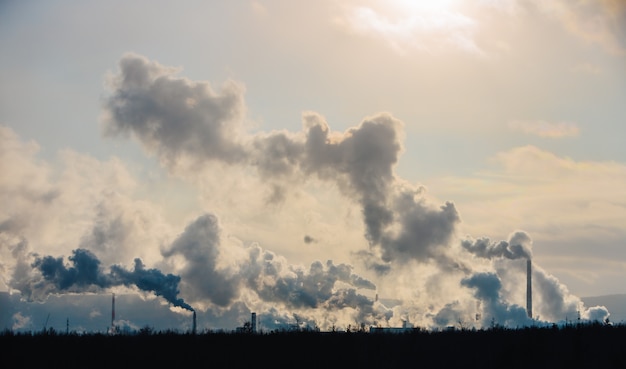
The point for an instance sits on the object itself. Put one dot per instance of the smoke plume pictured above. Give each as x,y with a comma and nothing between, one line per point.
184,121
518,246
408,238
266,278
187,124
84,274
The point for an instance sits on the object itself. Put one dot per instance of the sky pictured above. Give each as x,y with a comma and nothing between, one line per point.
328,163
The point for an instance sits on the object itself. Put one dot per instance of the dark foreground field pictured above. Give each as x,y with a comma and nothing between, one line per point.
585,346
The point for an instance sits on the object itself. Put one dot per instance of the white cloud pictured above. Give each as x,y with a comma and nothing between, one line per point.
599,22
569,206
545,129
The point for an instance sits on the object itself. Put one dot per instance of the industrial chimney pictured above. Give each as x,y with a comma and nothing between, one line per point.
253,322
113,313
193,326
529,289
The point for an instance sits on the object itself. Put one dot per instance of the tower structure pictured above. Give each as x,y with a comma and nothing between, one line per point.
253,322
193,326
113,313
529,289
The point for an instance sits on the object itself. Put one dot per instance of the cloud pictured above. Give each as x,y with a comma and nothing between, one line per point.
360,161
403,226
174,118
599,22
54,206
409,247
556,197
545,129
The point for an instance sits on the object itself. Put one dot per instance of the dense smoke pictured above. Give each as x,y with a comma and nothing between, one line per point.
271,280
554,301
518,246
86,275
487,287
187,122
184,121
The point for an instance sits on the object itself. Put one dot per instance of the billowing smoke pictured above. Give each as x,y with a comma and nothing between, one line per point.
552,300
183,121
187,123
199,247
518,246
173,117
487,289
84,274
265,278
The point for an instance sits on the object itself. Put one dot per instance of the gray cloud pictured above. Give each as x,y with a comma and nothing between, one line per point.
361,161
423,230
174,117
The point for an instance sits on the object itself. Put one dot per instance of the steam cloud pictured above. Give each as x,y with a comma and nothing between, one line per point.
518,246
183,121
187,124
269,277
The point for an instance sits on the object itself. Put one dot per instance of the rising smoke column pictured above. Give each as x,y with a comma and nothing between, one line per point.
198,245
487,287
551,299
182,121
266,279
84,274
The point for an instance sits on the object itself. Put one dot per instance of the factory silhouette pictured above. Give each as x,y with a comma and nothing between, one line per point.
577,344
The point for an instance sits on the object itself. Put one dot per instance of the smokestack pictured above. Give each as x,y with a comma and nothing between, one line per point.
529,289
193,326
113,312
253,322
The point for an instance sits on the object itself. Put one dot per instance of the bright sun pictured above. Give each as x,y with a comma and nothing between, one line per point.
421,6
407,24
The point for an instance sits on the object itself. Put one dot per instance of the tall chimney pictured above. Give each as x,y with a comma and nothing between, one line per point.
253,322
193,327
113,312
529,289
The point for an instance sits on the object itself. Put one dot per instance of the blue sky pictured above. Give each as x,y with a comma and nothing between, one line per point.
510,111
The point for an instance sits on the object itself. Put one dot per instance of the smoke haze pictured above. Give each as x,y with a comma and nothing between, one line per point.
411,248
